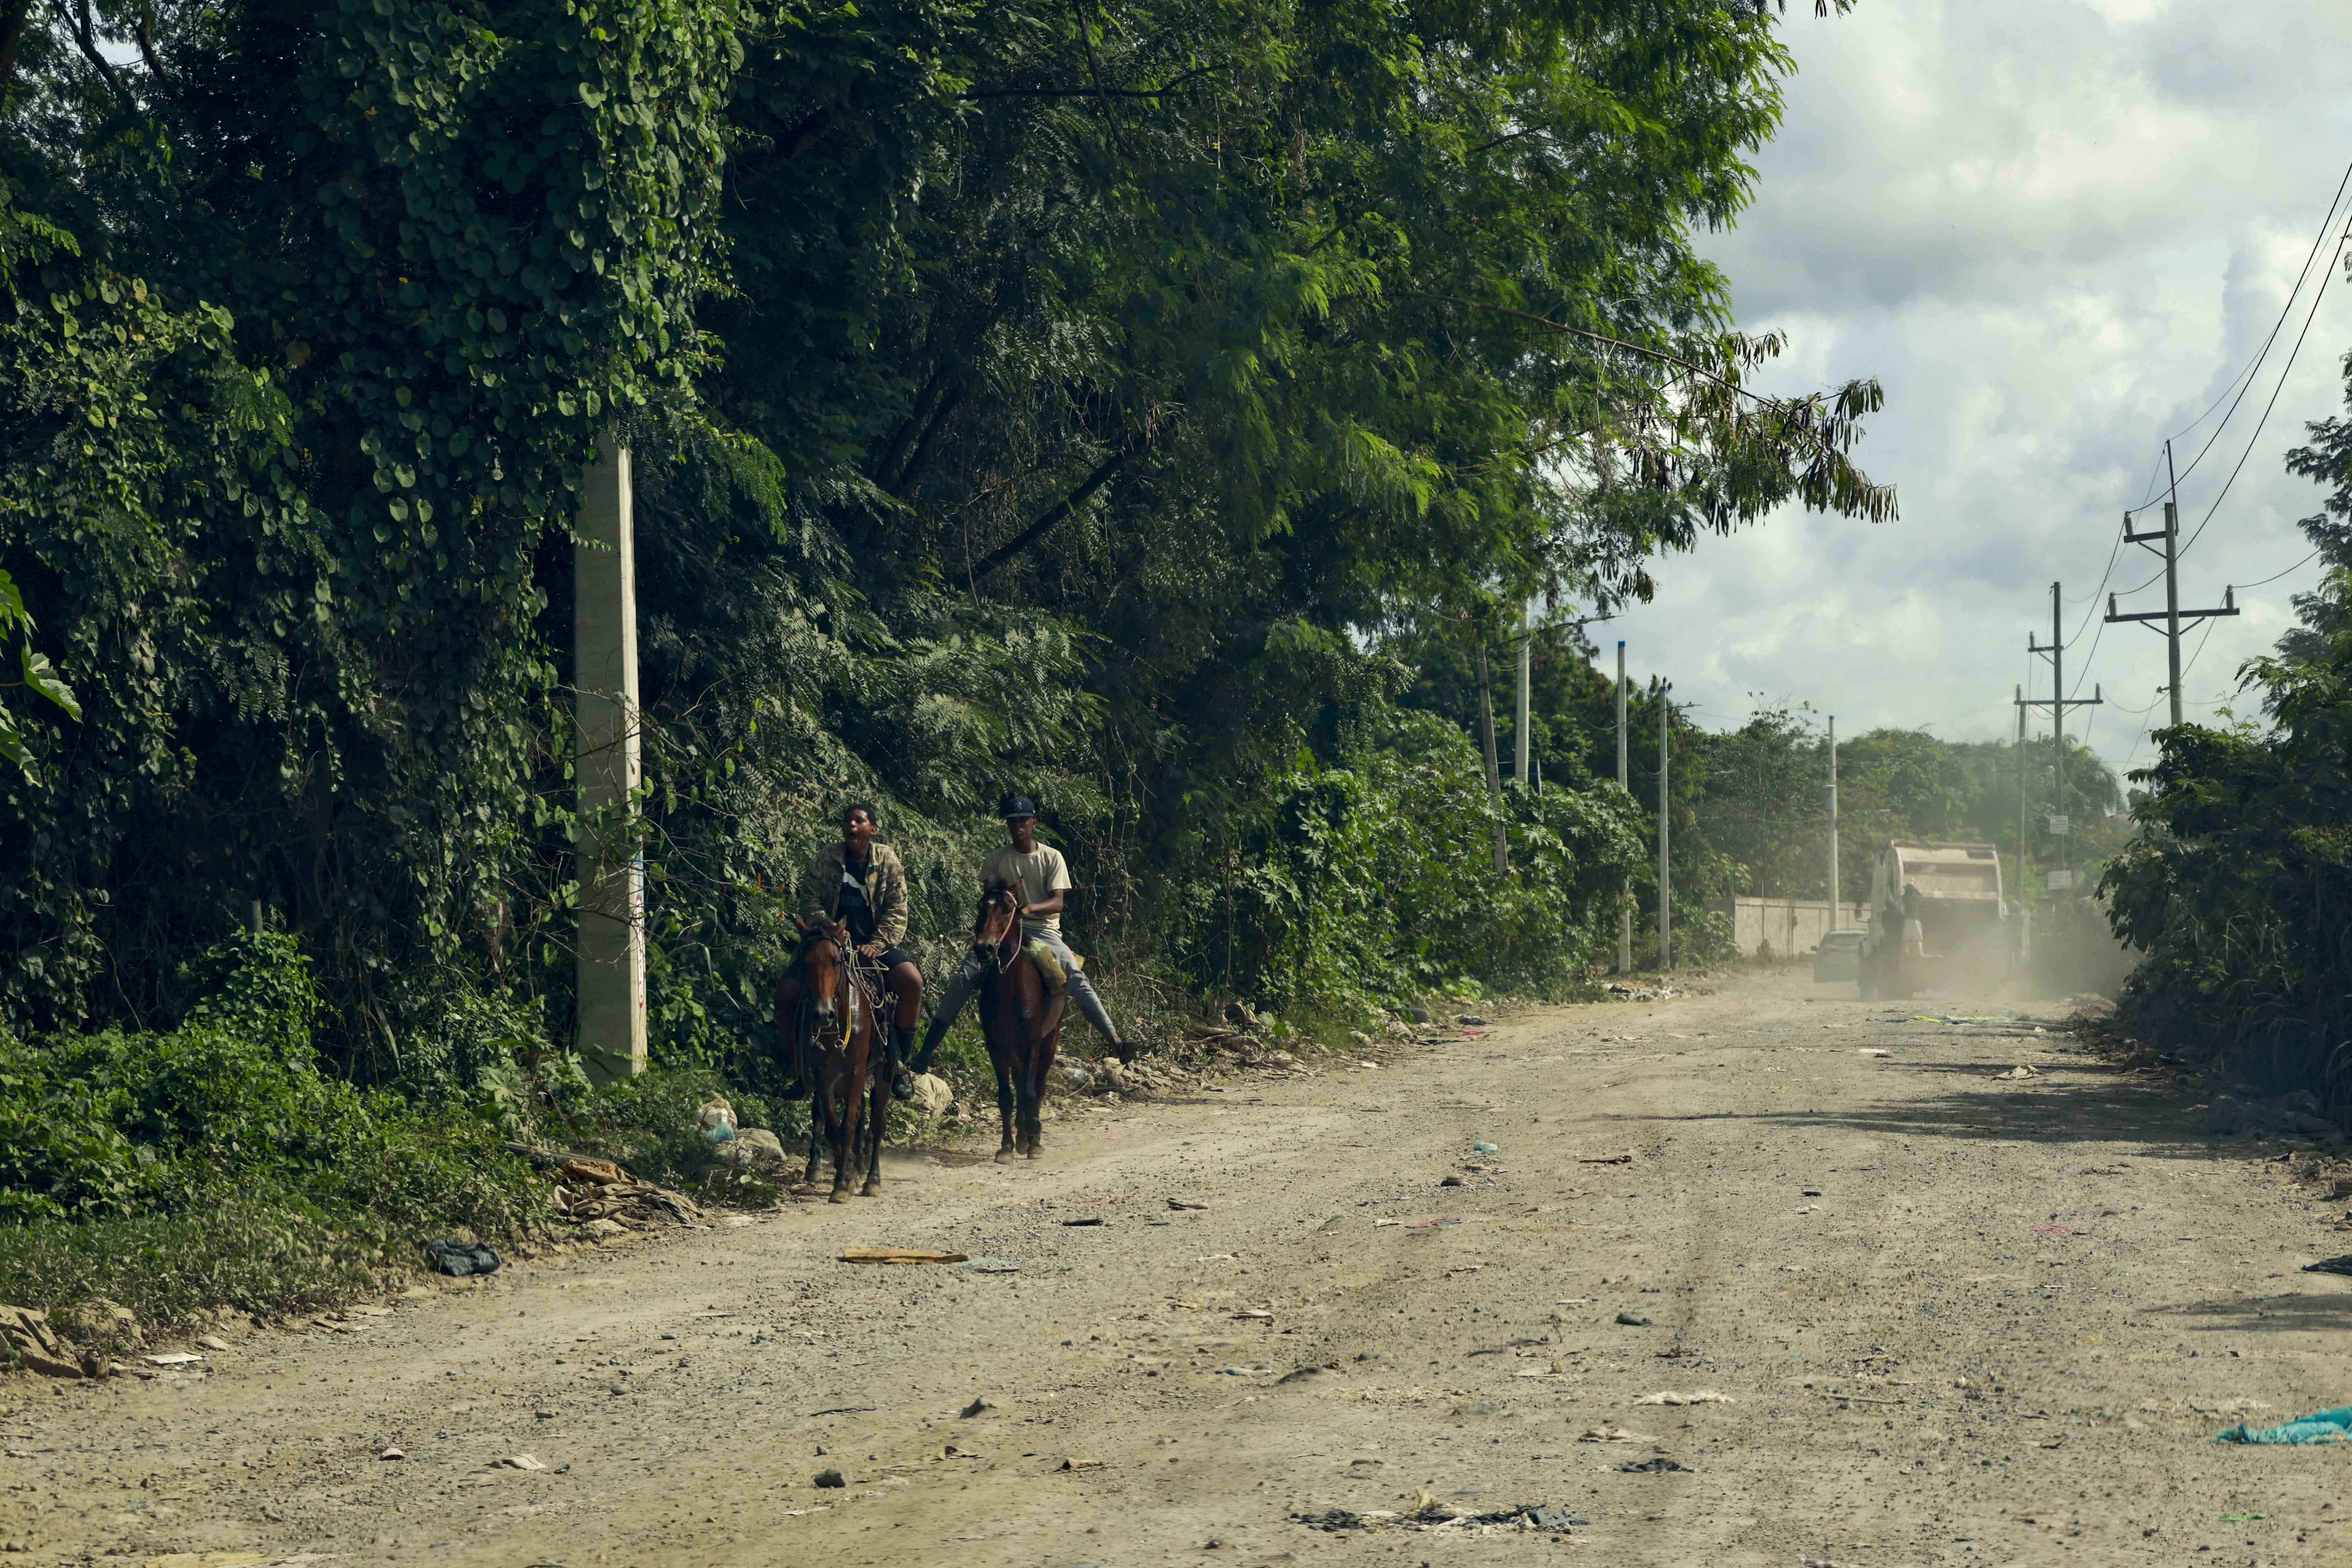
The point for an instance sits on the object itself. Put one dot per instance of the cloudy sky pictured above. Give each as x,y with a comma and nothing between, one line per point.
2056,231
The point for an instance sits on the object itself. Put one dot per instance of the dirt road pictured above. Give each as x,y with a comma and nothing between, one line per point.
1954,1318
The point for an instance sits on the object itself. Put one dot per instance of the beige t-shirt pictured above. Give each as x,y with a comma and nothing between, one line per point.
1040,874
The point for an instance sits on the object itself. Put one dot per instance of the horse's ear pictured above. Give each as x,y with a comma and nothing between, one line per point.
801,925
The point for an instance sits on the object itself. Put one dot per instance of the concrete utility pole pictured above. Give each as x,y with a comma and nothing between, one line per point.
1523,753
610,989
1494,769
1835,914
2171,613
2061,877
1625,783
1665,875
2021,706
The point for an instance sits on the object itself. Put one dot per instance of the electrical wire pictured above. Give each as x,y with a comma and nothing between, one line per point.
2316,296
2327,227
2276,576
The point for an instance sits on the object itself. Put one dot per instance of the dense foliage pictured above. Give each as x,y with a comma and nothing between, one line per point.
2233,888
1022,395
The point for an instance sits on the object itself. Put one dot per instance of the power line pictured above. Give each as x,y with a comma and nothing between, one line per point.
2276,576
2245,378
2316,296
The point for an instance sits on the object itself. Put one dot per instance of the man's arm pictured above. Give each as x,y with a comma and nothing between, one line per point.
1055,896
890,887
821,876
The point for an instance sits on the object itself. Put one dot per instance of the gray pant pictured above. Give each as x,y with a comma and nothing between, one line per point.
966,980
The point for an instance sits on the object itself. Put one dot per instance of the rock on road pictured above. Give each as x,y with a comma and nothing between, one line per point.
1954,1318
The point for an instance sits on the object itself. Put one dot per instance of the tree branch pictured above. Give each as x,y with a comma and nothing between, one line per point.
1134,445
14,13
1697,370
85,36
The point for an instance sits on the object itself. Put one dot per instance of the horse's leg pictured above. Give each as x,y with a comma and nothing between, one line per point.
877,1123
847,1143
1041,1063
1004,1106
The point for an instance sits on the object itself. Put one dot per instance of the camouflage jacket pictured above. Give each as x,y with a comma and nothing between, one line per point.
886,890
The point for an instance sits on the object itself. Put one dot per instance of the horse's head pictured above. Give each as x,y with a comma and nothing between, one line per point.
998,924
825,972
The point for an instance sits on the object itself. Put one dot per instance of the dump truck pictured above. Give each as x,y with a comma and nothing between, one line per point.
1939,919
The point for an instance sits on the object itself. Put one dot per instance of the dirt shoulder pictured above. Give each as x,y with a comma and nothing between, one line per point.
1953,1318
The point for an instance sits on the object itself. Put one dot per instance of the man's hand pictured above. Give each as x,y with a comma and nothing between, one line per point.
871,950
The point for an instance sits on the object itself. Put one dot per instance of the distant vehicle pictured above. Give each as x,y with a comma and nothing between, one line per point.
1937,919
1839,957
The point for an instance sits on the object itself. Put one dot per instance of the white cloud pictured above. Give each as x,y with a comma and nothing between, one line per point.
2055,233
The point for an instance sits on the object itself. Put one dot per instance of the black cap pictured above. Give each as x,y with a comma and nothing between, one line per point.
1014,805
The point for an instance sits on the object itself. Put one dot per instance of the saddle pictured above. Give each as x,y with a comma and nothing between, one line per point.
1049,968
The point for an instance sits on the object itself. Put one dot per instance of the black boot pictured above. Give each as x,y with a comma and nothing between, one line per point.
902,1045
922,1060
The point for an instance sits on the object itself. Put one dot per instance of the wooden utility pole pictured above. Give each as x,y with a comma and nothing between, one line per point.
2172,613
610,993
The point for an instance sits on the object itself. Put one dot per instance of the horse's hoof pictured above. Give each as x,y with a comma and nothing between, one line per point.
870,1189
840,1195
1034,1150
1005,1156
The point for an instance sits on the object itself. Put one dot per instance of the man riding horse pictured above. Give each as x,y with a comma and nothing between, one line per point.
861,884
1042,879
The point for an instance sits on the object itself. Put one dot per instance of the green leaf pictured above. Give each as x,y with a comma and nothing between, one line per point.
43,677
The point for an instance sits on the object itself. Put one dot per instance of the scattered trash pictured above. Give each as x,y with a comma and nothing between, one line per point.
391,1454
1430,1515
522,1462
1079,1465
843,1410
212,1342
1634,1320
900,1255
716,1113
1625,1158
2320,1426
1810,1193
1482,1147
1450,1182
595,1173
1180,1204
1429,1224
2243,1518
2330,1266
173,1358
460,1259
1611,1435
1244,1371
2056,1229
829,1480
1658,1466
1473,1019
979,1404
1872,1051
2020,1071
1701,1396
933,1095
1255,1315
993,1266
1087,1220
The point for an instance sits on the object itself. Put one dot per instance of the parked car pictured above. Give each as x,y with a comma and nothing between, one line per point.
1839,957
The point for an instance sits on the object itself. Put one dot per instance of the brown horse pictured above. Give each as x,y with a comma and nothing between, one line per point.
1020,1018
834,1032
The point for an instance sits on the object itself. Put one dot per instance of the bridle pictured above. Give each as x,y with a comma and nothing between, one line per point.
1002,947
859,985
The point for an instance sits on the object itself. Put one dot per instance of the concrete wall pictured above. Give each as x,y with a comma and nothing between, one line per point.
1792,927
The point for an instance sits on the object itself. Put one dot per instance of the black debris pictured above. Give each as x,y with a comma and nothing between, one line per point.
461,1259
1656,1466
2330,1266
1634,1320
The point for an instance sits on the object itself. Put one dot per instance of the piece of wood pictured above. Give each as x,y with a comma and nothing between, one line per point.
900,1255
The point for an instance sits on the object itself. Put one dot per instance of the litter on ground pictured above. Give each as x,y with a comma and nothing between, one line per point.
900,1255
1698,1397
2320,1426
